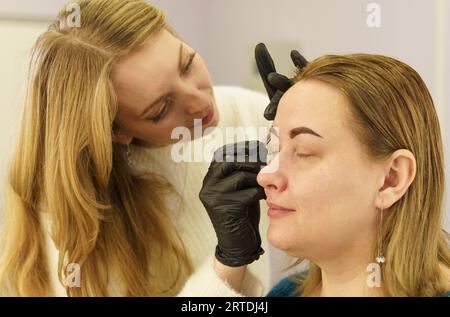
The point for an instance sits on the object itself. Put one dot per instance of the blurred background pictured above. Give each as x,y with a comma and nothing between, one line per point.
225,33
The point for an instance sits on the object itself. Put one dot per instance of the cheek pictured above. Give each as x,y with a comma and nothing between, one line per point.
320,197
156,134
335,188
333,206
312,192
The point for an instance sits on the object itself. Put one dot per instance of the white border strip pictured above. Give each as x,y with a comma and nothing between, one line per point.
440,58
440,95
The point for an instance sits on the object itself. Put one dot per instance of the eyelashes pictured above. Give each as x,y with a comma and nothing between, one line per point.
189,63
163,111
272,153
303,156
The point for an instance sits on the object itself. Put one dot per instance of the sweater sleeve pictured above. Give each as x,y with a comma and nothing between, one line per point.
206,283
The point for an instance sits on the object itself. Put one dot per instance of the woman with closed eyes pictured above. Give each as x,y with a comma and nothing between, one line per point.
355,182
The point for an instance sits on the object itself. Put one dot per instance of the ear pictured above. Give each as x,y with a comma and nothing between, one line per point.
121,137
400,170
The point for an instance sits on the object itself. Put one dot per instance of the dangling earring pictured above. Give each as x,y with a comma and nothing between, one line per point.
128,155
380,258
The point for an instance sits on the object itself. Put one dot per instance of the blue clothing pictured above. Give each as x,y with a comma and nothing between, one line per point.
289,287
284,288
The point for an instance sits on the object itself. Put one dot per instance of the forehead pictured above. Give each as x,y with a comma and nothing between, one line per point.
316,105
149,69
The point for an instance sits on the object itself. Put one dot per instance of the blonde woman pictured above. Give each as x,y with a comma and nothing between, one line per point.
355,181
92,187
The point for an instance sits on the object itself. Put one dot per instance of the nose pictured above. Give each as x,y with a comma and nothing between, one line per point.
195,100
271,178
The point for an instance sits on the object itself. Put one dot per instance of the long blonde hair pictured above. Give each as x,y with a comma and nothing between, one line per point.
111,222
392,109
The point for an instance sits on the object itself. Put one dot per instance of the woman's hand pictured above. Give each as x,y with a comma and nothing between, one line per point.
231,197
276,84
233,275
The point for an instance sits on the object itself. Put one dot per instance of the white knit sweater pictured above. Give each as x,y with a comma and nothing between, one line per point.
237,107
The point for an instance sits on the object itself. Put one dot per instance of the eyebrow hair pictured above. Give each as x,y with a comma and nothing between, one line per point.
180,69
294,132
303,130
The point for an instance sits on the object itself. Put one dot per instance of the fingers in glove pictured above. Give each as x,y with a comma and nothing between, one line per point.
238,181
250,196
265,65
298,59
218,171
246,151
254,214
271,110
251,151
279,81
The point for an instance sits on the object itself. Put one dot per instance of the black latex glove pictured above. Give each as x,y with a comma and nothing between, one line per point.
231,197
276,84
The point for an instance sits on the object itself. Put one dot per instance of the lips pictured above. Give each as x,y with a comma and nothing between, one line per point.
276,211
208,117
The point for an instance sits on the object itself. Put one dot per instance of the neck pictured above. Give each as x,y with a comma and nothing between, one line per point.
348,275
352,282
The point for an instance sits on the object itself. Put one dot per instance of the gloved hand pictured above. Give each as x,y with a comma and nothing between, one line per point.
231,197
276,84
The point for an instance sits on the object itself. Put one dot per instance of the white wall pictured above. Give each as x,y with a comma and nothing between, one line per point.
41,10
190,20
316,27
444,89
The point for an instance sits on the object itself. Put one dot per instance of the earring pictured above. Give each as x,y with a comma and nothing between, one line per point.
128,155
380,258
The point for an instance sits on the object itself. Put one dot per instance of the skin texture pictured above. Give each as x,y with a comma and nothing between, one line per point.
330,186
157,71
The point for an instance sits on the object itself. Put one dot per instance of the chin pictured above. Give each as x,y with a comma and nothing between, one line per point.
278,240
288,242
215,120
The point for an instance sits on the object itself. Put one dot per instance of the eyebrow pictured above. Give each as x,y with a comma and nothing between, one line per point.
180,69
303,130
296,131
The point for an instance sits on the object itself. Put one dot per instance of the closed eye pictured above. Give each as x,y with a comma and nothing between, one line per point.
163,111
188,65
303,155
